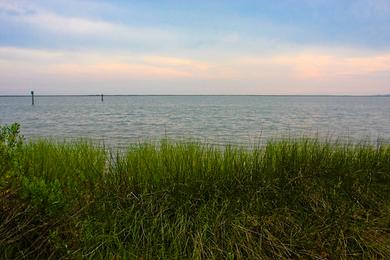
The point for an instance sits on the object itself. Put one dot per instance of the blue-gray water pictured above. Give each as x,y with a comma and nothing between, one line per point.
120,120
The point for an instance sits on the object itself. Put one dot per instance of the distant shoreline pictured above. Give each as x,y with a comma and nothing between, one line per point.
189,95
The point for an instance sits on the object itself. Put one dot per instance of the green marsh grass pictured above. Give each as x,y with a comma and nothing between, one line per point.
289,199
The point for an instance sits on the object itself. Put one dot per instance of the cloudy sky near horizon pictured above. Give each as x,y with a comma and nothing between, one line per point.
195,47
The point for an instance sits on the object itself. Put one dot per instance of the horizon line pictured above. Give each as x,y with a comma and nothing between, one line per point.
129,95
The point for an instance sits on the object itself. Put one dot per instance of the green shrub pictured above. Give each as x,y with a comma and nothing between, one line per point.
10,144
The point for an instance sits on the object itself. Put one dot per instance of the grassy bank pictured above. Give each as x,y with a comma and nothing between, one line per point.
289,199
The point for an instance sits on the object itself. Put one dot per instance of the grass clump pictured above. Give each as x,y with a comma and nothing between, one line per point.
289,199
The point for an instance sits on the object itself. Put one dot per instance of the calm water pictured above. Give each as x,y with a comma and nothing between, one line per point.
214,119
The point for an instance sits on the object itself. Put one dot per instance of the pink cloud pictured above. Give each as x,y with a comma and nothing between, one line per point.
307,71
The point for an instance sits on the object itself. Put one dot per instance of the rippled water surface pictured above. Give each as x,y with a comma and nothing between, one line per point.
120,120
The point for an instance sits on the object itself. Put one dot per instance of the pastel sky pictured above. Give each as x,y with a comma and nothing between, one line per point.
195,47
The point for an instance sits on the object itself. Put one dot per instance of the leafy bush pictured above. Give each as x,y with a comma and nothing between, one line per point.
10,142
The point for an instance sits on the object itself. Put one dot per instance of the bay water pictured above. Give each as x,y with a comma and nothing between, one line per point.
221,120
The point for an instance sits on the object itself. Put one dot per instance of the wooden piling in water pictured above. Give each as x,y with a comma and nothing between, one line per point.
32,98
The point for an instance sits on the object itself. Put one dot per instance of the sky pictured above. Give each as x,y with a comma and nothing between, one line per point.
195,47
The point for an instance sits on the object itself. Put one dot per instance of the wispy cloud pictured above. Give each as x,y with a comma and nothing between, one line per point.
92,64
283,71
315,65
328,65
177,62
15,8
40,19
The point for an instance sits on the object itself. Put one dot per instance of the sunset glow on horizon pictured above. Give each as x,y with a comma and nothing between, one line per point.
202,47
